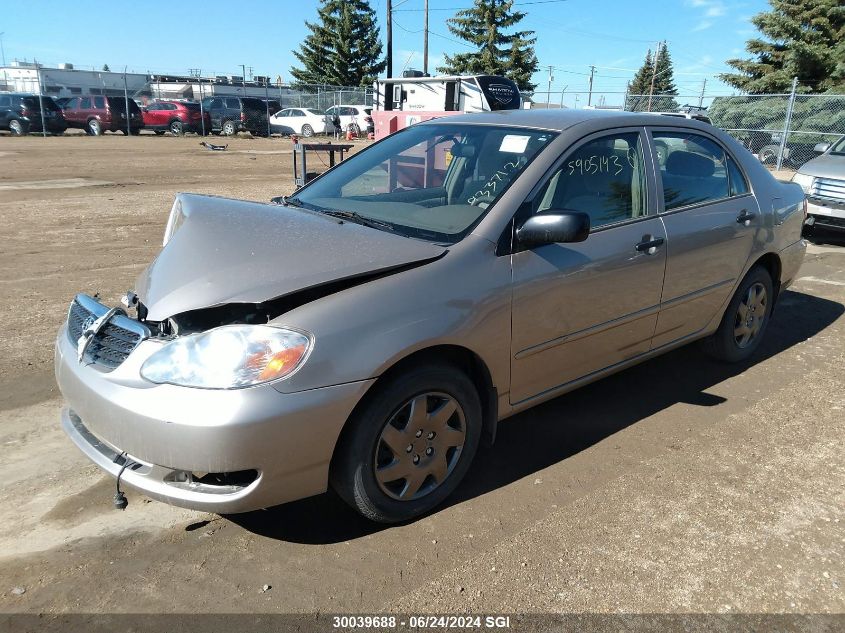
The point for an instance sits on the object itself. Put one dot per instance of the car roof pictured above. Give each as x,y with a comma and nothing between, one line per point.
559,120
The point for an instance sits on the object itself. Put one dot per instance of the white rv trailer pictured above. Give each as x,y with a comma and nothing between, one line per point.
403,101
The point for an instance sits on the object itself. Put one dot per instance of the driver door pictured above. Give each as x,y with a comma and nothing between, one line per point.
582,307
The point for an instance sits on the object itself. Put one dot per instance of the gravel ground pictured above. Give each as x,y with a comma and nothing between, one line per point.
679,486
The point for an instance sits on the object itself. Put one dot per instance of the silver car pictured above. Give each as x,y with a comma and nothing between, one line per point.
823,180
371,330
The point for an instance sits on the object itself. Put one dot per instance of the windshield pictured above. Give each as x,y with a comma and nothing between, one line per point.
839,147
432,181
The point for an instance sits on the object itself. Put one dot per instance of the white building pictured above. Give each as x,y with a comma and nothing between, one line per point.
66,81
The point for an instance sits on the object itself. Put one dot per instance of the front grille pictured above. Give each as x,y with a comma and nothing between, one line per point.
830,188
114,341
825,220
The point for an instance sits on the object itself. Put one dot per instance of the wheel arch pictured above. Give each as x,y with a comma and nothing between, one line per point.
771,262
456,356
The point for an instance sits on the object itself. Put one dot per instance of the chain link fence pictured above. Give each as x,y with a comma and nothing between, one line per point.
783,130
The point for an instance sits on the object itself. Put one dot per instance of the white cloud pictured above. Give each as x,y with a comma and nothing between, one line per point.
702,26
708,9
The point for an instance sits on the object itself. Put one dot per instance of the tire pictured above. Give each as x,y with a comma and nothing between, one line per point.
307,130
370,475
229,128
94,128
745,320
17,128
768,156
159,132
136,131
176,128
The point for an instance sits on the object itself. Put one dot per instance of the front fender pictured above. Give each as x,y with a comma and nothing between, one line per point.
462,299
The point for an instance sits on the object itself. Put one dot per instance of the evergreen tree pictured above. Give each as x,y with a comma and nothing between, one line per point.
664,92
106,68
486,25
343,48
801,38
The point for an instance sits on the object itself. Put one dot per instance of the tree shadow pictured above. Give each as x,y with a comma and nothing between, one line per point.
553,431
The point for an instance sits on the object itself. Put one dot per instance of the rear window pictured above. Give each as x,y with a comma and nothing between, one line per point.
119,104
194,107
253,104
31,103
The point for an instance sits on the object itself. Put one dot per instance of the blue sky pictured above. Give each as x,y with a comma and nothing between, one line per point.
220,35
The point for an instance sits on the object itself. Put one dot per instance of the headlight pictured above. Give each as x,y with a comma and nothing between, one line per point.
805,180
229,357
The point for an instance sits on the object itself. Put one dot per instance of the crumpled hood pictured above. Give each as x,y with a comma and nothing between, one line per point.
232,251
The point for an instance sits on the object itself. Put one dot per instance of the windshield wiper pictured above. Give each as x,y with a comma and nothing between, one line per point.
360,219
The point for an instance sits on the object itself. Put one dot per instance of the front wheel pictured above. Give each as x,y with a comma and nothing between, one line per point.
410,445
746,319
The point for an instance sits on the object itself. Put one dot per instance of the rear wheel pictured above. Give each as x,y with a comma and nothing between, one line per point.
16,128
94,128
307,130
176,127
229,128
746,319
135,131
410,445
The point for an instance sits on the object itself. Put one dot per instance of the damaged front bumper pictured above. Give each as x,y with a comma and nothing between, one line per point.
221,451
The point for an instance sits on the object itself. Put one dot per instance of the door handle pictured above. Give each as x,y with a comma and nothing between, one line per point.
745,216
649,244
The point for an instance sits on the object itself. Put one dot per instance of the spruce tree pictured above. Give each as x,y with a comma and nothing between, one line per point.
800,38
343,48
106,68
664,92
486,25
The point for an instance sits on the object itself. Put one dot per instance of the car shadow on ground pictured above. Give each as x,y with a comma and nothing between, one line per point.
565,426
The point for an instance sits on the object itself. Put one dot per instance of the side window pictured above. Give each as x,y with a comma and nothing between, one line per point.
738,183
85,103
692,168
604,178
5,102
99,102
233,103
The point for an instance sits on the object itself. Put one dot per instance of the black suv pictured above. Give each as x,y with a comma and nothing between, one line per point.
21,114
230,115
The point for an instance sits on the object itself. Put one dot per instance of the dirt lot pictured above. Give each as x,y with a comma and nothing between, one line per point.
681,485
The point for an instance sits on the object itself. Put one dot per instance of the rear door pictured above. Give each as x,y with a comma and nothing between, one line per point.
711,219
583,307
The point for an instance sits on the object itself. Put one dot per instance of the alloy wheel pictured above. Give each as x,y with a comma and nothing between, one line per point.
750,315
420,446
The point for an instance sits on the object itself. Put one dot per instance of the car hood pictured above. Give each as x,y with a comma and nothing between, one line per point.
825,166
232,251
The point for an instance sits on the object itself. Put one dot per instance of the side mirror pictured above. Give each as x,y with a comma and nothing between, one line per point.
821,148
553,227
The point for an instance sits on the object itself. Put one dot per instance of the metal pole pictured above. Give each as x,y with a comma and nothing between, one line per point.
625,102
41,101
3,50
549,91
703,88
202,108
389,72
786,123
590,94
267,103
425,40
126,100
562,90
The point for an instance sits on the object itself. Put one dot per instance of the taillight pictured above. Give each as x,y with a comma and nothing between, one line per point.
195,115
368,119
25,111
243,116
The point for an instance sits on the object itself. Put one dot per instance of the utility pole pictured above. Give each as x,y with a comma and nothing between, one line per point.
701,96
653,74
551,79
425,41
562,90
389,72
3,50
590,94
